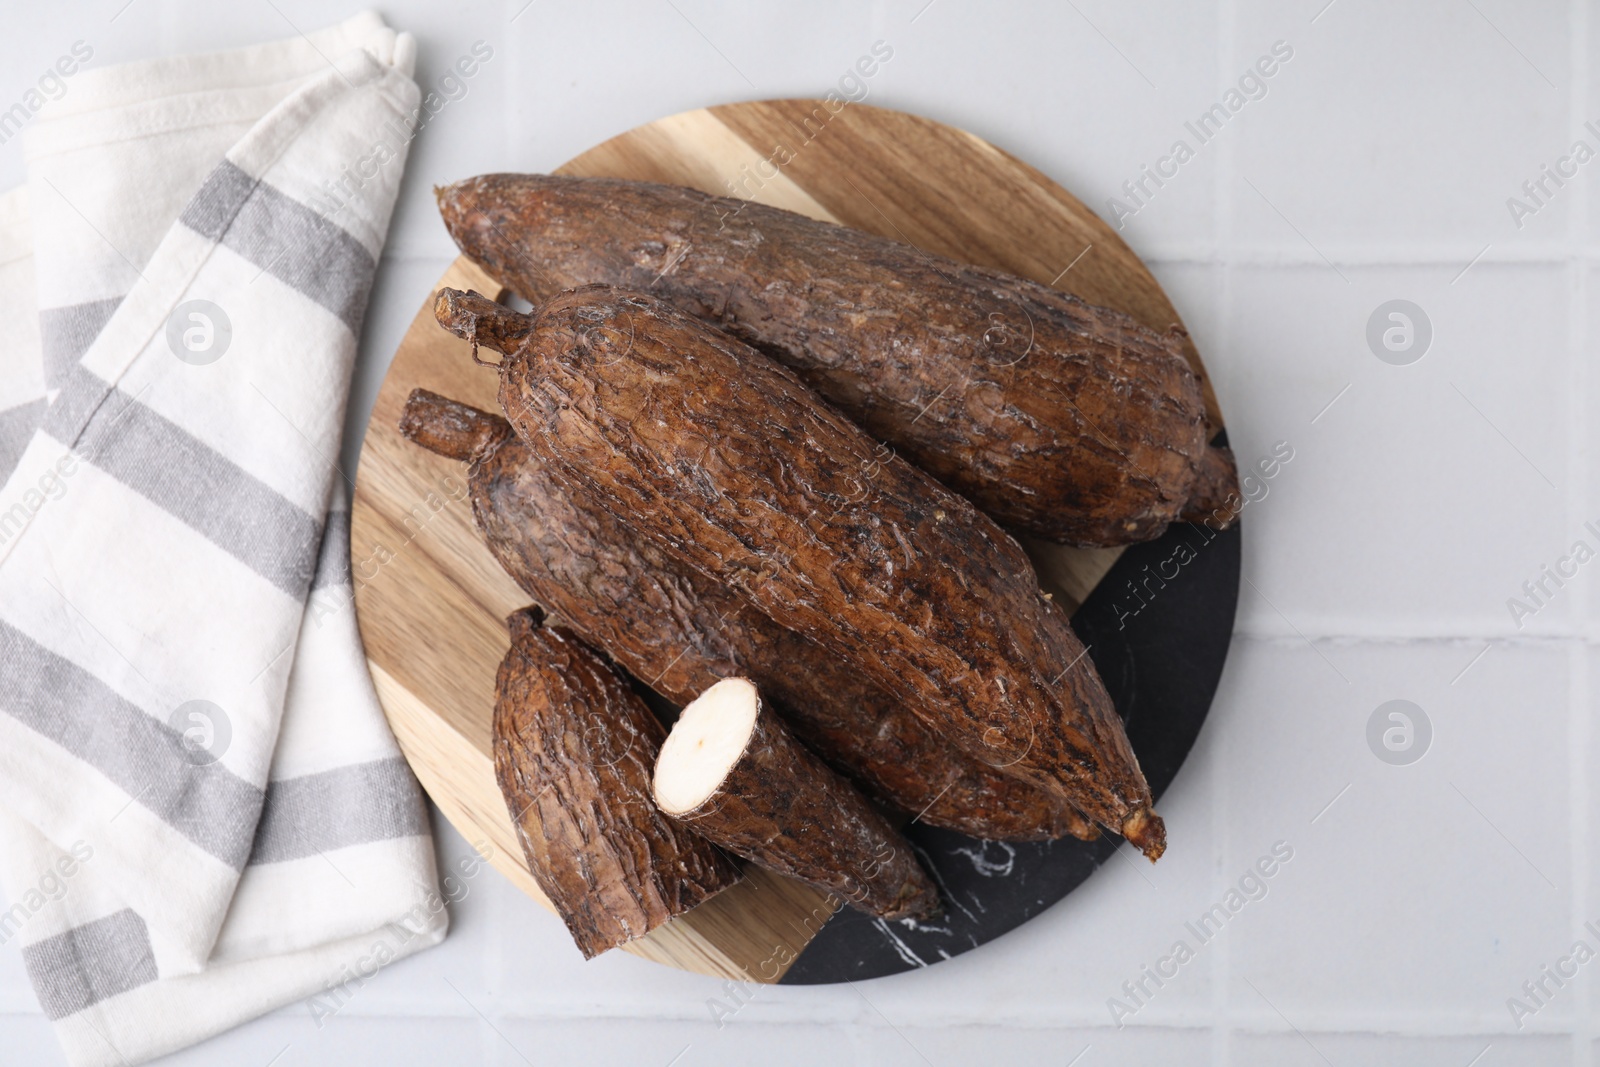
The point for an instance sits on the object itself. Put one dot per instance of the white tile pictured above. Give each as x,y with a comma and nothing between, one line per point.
343,1040
466,131
1590,110
37,36
959,1046
1195,290
568,93
1401,123
1067,964
537,968
189,30
958,64
1426,494
1192,288
1587,806
1585,587
1106,94
1360,1050
1431,889
31,1040
630,1042
1081,61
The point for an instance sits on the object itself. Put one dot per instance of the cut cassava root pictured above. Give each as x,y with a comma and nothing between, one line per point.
680,632
726,461
1064,420
574,750
730,771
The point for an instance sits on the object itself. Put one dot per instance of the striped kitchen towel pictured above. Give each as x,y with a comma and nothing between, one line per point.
204,813
22,396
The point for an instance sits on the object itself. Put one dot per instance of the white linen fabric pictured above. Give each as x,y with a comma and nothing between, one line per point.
203,814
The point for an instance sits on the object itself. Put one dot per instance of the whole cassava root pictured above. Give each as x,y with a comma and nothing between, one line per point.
574,751
681,632
728,462
731,771
1060,419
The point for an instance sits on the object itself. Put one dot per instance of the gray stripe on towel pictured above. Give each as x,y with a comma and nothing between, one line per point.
66,333
286,239
90,963
333,558
190,480
346,806
143,756
16,430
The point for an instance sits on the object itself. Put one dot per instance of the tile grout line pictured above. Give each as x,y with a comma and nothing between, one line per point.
1418,254
1563,635
1262,1023
1222,229
1578,740
494,965
1578,315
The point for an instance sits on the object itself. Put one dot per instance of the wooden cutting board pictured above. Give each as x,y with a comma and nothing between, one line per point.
430,599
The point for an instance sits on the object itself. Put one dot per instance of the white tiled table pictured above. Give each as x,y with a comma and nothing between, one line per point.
1377,166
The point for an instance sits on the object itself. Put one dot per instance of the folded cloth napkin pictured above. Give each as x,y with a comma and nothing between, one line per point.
203,815
22,394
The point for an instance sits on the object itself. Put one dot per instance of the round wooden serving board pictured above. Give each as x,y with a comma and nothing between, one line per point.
432,601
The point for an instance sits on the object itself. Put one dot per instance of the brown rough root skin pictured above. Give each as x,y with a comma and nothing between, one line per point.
781,807
681,632
726,461
574,750
1215,500
1060,419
